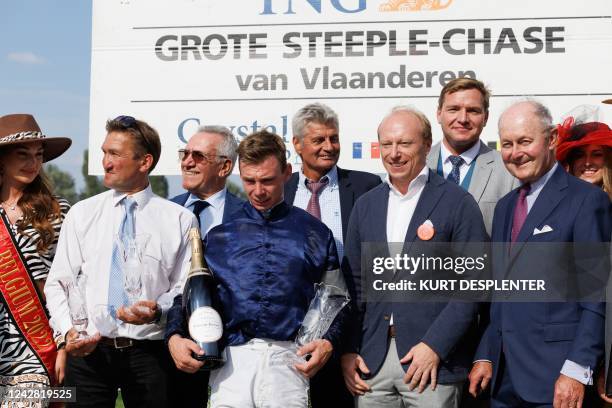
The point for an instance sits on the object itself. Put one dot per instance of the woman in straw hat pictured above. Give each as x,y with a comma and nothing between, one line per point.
31,217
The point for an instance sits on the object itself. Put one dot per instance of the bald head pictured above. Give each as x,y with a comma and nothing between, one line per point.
527,140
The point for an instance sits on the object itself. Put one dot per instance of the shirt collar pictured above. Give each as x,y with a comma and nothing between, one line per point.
274,213
414,185
539,184
332,176
468,156
216,200
142,197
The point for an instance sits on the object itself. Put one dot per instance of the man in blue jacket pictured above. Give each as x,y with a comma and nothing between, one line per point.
408,353
542,354
206,162
266,262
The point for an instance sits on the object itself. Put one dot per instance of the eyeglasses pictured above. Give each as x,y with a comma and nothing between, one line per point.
197,156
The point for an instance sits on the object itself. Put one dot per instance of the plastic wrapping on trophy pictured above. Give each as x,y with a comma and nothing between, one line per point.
324,307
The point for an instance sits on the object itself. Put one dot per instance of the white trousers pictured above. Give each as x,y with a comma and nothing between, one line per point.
254,376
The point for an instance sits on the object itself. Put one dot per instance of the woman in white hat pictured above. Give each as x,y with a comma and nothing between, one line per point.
31,217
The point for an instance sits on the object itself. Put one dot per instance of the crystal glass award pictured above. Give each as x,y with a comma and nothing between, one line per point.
74,289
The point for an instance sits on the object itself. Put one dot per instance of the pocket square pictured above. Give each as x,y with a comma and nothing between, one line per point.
544,229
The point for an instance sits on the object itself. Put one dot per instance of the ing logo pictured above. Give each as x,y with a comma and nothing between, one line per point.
414,5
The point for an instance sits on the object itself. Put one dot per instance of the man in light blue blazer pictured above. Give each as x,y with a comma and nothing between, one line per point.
461,157
206,162
542,354
407,353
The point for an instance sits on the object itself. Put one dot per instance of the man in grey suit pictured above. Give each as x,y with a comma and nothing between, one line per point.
463,111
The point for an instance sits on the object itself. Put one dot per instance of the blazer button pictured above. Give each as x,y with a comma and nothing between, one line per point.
386,317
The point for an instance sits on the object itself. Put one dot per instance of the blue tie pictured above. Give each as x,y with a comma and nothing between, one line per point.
455,175
116,293
198,207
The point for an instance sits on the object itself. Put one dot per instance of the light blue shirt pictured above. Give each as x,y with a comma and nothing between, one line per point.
537,186
212,215
570,369
329,201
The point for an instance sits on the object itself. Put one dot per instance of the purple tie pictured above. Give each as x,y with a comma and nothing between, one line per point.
520,211
313,206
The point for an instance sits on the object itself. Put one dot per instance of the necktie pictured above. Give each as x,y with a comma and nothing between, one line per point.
198,207
520,211
313,206
455,175
116,293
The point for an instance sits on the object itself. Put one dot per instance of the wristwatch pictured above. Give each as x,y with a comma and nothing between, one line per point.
158,314
60,341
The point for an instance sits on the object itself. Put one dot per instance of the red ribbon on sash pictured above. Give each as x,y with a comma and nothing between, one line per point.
24,303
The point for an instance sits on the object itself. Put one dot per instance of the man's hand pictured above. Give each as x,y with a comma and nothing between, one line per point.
60,365
352,366
181,349
320,351
424,367
141,312
601,384
480,376
80,348
569,393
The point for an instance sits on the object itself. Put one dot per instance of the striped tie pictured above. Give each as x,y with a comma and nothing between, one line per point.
116,293
313,206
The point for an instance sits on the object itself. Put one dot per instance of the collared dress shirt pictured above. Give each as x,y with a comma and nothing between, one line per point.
468,157
85,247
400,211
212,215
329,201
266,266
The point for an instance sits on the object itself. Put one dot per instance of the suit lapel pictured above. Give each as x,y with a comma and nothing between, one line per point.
432,193
232,205
548,199
291,188
347,198
482,172
433,157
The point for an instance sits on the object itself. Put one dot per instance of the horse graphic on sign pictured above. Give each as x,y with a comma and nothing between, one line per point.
414,5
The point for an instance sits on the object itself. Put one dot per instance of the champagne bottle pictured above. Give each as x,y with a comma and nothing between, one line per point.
205,326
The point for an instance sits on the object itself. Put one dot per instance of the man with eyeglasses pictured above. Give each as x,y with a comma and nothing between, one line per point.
125,349
206,162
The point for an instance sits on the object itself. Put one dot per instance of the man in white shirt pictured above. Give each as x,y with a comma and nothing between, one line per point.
125,349
461,157
402,352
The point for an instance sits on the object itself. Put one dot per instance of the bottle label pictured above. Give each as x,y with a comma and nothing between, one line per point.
205,325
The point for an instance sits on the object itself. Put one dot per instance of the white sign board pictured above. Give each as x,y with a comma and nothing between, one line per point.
251,64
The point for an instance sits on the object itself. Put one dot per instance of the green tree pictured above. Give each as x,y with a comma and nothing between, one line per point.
62,183
235,189
93,185
159,184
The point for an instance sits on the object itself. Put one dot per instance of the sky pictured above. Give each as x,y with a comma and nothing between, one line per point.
45,57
